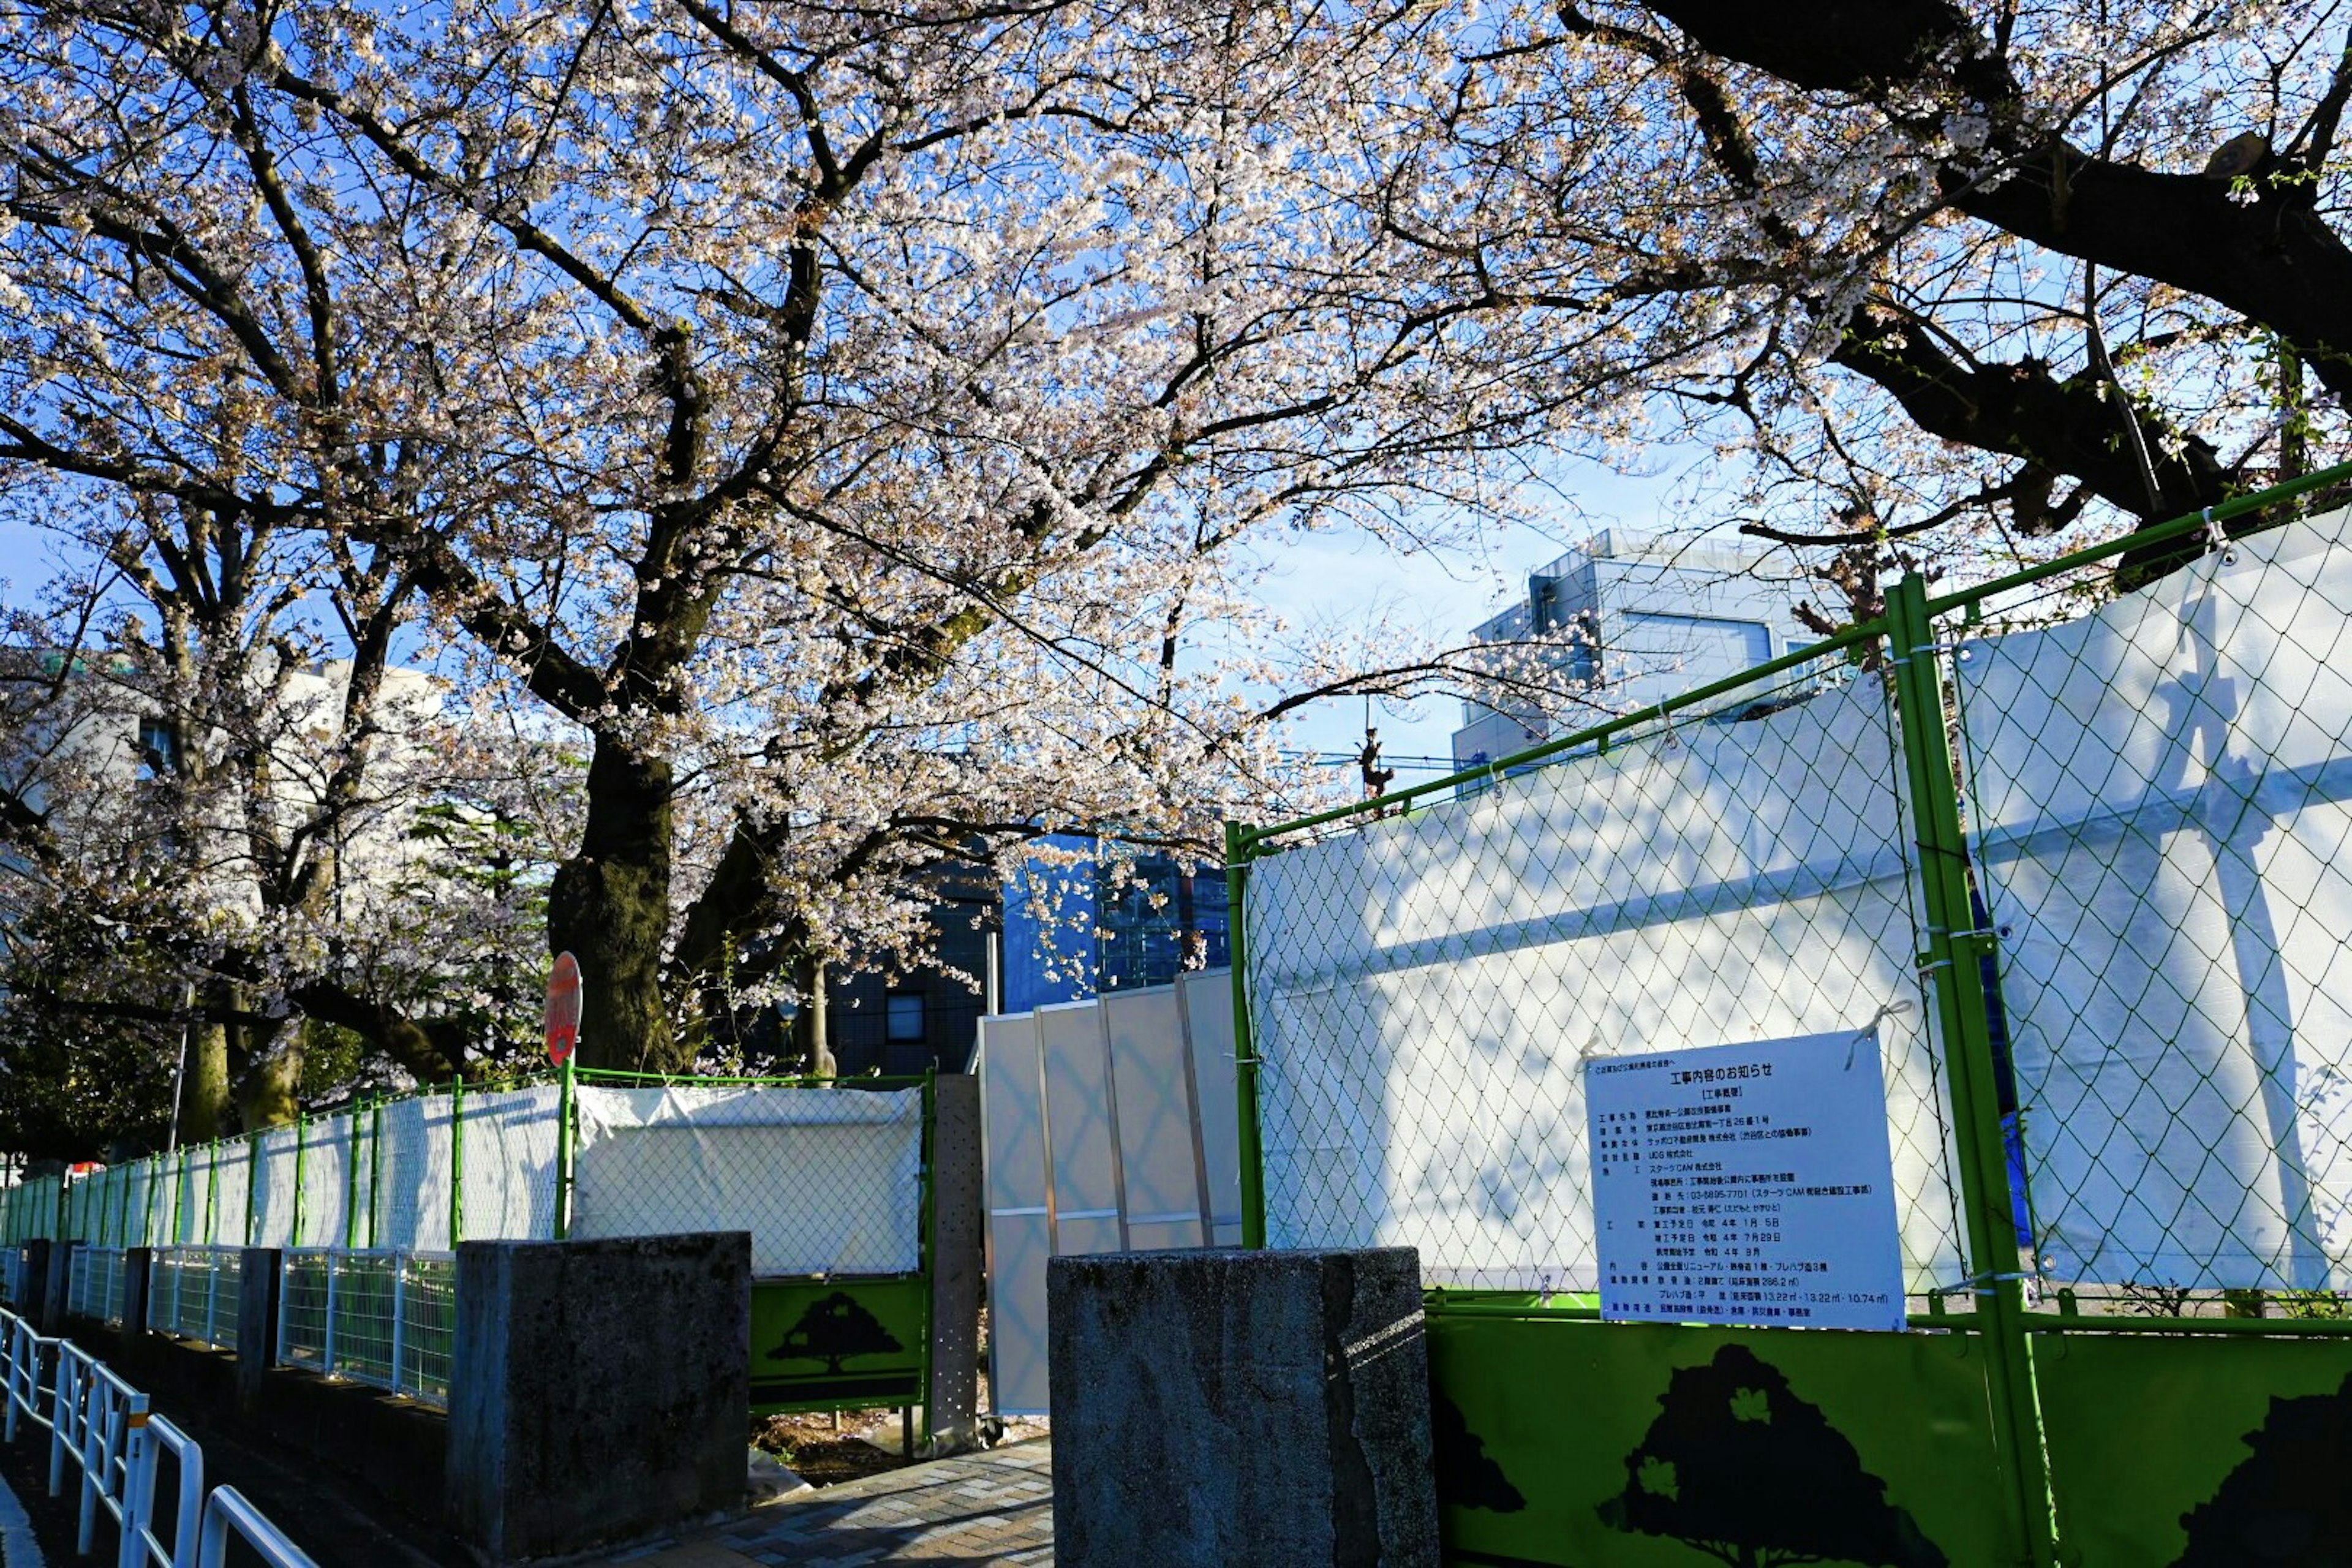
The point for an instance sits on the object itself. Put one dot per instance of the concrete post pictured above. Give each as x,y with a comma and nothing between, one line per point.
32,1302
138,1265
257,1324
597,1389
56,1286
957,1263
1225,1406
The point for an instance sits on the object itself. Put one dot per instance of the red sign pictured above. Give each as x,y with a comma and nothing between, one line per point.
564,1009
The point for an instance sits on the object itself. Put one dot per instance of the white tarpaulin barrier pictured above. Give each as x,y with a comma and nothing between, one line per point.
510,1138
2160,792
827,1181
412,1175
1425,988
1107,1125
277,1156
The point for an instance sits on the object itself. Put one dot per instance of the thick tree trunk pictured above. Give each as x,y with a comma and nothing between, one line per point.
609,908
204,1084
266,1095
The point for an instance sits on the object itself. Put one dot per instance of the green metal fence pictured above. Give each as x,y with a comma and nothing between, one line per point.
2071,859
367,1203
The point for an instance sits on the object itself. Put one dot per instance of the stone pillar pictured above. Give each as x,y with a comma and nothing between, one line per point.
597,1389
1224,1407
56,1286
956,1263
257,1322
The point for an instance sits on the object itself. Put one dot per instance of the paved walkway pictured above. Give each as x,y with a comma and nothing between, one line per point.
982,1511
17,1547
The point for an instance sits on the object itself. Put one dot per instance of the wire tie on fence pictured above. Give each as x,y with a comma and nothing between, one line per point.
1893,1009
2219,538
1980,1284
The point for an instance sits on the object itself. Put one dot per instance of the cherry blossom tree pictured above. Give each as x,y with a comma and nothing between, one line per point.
225,803
1961,274
843,425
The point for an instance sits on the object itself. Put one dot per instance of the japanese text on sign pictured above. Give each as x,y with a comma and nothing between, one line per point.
1746,1183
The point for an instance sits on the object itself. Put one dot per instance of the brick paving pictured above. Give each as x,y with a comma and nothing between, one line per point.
981,1511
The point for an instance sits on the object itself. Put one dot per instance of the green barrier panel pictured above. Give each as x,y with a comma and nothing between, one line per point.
839,1344
2201,1452
1584,1445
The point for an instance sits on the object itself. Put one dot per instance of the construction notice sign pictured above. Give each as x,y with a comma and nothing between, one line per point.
1747,1185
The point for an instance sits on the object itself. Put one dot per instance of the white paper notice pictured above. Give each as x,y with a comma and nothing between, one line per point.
1746,1183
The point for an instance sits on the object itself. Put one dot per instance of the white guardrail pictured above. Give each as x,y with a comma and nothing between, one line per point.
103,1425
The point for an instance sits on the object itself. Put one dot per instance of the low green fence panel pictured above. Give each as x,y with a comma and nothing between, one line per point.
2198,1450
1570,1444
840,1343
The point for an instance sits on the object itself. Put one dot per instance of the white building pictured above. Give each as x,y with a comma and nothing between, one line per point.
1651,618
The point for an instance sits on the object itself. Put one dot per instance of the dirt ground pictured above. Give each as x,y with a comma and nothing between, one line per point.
825,1449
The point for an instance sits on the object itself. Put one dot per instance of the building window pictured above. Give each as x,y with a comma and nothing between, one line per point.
903,1020
159,748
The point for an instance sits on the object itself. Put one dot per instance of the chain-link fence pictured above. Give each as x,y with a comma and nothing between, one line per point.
95,1284
827,1182
2157,788
415,1174
193,1293
2143,903
1427,985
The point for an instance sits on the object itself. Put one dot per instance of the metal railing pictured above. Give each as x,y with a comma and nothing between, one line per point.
140,1540
103,1425
193,1293
227,1511
384,1318
94,1284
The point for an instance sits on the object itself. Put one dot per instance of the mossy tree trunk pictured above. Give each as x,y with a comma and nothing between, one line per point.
609,908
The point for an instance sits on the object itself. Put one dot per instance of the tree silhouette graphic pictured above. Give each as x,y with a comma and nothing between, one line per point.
1739,1468
832,1330
1466,1477
2290,1502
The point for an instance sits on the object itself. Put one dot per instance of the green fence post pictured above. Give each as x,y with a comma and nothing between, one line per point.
375,1173
301,1142
456,1160
1955,952
252,1181
1238,850
567,1128
351,1177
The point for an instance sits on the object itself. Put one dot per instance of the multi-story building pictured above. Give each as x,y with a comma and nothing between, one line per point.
1085,925
1644,618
